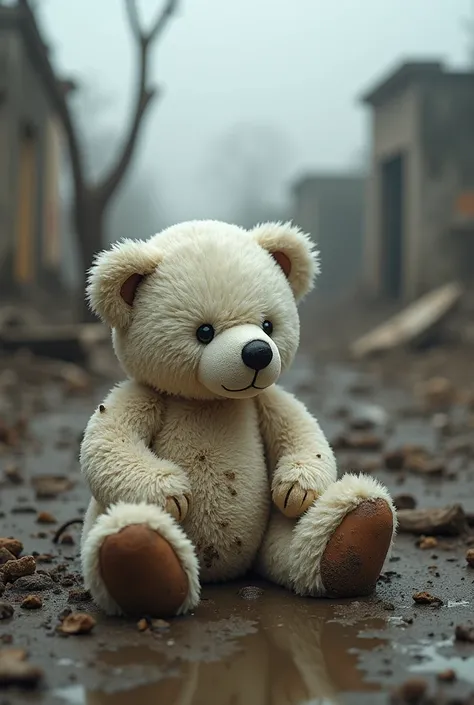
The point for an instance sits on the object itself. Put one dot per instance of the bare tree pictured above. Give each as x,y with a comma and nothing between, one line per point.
92,198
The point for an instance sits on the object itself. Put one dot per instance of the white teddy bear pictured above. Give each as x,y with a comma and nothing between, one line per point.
199,466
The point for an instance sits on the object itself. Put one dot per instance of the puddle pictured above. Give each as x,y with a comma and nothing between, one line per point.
430,660
285,651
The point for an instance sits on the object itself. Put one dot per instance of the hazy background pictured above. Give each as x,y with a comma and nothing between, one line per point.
272,82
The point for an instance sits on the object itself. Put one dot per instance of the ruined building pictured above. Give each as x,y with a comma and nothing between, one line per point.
420,210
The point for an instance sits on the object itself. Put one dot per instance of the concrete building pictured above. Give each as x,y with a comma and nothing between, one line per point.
30,147
420,208
331,208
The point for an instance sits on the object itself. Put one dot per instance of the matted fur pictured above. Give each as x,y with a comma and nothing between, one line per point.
111,522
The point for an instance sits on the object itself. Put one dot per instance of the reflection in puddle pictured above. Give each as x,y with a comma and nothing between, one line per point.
274,652
431,661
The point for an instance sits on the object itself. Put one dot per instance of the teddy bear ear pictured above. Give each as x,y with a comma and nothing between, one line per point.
293,251
114,278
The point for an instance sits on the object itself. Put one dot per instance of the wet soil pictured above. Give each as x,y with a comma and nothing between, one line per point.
248,642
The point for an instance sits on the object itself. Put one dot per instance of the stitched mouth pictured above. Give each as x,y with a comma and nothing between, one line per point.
252,385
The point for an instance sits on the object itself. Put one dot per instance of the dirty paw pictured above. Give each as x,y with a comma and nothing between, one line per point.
178,506
292,500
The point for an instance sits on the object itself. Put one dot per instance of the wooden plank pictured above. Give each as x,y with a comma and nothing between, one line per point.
411,324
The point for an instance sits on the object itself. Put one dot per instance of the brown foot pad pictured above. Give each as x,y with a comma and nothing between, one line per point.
356,552
142,572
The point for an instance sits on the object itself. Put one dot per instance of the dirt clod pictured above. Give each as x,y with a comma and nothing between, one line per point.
427,542
448,676
426,598
13,570
34,583
77,623
32,602
13,545
16,670
6,610
412,692
470,557
46,518
464,632
79,595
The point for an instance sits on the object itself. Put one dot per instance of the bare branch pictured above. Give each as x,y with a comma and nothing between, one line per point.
144,93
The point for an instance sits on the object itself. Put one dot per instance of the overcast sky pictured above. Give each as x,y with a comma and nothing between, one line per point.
297,66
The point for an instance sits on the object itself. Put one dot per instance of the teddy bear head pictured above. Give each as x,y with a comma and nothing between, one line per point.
205,309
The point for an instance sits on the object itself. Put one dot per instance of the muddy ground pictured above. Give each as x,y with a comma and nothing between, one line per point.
250,643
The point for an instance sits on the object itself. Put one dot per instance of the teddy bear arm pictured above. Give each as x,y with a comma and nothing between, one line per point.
302,462
115,455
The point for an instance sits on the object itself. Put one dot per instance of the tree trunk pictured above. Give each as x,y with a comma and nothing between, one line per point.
89,221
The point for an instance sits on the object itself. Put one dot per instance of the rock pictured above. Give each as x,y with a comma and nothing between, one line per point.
77,623
404,501
6,610
358,441
46,518
464,633
32,602
394,459
412,692
13,570
423,464
437,393
470,557
16,670
50,486
13,545
445,521
13,474
425,598
427,542
34,583
142,625
447,676
159,624
5,556
251,592
79,595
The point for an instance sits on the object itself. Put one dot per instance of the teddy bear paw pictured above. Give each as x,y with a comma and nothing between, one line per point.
178,506
292,499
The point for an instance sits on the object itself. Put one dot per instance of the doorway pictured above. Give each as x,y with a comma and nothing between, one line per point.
392,231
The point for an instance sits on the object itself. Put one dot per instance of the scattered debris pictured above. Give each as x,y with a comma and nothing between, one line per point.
251,592
426,598
404,501
427,542
34,583
465,633
18,568
13,545
5,556
445,521
16,670
447,676
363,440
470,557
77,623
32,602
50,486
6,610
412,692
46,518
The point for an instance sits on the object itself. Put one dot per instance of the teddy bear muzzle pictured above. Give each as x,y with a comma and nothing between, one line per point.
240,362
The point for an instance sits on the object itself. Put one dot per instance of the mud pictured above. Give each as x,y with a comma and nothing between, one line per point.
248,643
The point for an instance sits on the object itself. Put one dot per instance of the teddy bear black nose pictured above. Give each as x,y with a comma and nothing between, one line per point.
257,354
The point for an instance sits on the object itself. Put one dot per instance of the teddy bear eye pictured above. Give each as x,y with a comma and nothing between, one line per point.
267,327
205,333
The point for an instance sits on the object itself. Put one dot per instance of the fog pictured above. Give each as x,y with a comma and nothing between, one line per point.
296,67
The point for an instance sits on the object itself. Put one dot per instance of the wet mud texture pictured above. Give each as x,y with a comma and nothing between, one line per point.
248,643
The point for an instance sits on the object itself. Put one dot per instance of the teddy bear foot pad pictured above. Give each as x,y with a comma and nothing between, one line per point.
142,572
355,553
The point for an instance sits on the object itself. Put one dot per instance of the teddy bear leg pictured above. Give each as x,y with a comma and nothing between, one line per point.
338,547
343,540
137,561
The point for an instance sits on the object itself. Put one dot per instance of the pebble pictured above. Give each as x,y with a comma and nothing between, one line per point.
34,583
32,602
77,623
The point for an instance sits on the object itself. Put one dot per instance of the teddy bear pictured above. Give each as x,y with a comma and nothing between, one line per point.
200,466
